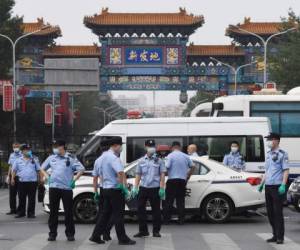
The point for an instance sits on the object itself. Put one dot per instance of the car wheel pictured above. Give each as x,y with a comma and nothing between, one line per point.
85,209
297,205
217,208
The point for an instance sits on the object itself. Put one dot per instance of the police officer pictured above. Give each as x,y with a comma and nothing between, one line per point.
27,168
149,186
275,180
61,182
13,189
113,178
97,183
179,167
234,159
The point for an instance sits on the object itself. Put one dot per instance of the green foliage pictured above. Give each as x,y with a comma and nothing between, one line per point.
200,97
11,27
285,64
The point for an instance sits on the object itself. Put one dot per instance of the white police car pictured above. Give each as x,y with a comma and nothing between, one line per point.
213,191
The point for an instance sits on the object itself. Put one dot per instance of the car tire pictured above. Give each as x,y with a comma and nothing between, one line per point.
217,208
85,209
297,205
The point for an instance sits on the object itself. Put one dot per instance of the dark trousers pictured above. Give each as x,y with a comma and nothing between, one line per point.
113,207
100,211
55,195
27,190
151,195
274,203
175,190
13,194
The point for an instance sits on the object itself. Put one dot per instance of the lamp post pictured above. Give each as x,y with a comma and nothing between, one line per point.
14,45
265,43
104,111
235,70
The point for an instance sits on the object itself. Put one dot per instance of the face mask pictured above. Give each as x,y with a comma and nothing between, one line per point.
28,154
151,150
16,150
269,144
234,149
55,151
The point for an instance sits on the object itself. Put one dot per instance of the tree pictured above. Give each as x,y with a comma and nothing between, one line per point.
200,97
285,64
9,26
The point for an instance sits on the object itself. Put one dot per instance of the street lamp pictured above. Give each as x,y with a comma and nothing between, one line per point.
235,70
265,43
105,111
14,44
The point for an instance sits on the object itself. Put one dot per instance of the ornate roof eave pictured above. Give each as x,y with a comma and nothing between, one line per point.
73,51
46,30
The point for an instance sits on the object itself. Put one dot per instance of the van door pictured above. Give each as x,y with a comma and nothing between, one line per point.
197,184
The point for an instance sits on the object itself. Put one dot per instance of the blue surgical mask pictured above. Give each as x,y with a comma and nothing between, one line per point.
28,154
55,151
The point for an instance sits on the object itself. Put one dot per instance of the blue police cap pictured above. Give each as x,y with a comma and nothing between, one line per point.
150,143
272,136
59,142
25,147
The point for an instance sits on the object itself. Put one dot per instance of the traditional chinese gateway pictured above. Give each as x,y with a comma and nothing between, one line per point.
151,51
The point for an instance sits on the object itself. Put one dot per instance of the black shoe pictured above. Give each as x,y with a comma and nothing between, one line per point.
273,239
31,216
140,235
11,212
127,242
156,234
20,216
70,238
96,240
51,238
106,237
279,242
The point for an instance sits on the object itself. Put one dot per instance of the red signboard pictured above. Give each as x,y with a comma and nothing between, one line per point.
8,97
2,82
48,113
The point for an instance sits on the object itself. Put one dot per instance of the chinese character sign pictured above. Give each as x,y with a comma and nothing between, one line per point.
48,113
8,97
143,55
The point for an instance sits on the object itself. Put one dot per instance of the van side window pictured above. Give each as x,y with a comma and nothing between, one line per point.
135,145
255,149
230,113
284,116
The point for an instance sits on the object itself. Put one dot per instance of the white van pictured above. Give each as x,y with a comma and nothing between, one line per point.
212,136
282,110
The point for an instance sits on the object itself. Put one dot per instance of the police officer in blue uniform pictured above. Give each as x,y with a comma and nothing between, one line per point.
274,181
149,186
27,168
234,159
180,168
13,189
111,172
97,184
61,181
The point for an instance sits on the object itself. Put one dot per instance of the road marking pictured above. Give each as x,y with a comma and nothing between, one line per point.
163,243
217,241
288,243
36,242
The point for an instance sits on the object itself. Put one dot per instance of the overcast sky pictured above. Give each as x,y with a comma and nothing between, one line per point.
218,14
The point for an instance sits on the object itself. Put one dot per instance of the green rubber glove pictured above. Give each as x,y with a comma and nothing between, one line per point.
96,197
49,180
72,184
124,190
120,186
134,192
162,193
282,189
261,187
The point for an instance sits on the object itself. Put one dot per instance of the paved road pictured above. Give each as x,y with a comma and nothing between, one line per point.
240,233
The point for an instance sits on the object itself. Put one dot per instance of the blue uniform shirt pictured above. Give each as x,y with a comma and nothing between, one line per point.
150,169
61,173
276,162
14,156
26,169
107,167
234,160
178,165
97,165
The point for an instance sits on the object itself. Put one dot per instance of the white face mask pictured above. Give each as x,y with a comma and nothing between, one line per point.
151,150
234,149
16,150
55,151
270,144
